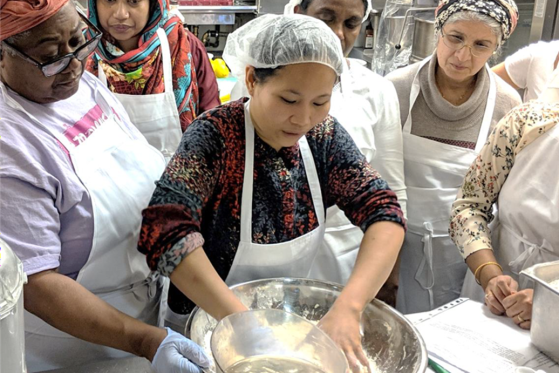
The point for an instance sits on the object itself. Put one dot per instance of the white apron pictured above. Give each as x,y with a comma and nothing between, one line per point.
432,270
287,259
155,115
528,211
157,118
338,253
119,173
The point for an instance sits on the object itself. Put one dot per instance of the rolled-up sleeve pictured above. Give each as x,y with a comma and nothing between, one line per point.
355,187
472,210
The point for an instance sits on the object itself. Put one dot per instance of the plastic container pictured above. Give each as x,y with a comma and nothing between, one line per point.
274,337
12,333
544,331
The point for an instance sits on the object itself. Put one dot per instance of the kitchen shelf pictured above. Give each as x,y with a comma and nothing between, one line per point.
200,9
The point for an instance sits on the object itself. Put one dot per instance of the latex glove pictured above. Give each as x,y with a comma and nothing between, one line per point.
519,307
343,326
178,354
496,290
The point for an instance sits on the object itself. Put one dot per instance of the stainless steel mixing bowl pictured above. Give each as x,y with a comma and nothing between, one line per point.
392,343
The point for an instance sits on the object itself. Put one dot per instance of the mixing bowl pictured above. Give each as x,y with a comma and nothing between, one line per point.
273,340
391,342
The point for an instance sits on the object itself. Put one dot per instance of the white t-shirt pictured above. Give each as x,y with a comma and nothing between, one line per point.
531,67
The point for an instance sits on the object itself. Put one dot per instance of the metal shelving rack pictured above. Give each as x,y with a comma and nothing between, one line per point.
214,15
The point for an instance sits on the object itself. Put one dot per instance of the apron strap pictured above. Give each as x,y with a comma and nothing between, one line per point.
166,59
489,109
517,264
248,180
414,94
312,179
427,260
246,202
101,73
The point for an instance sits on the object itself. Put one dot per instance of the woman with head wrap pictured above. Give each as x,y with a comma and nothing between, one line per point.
146,58
366,105
244,197
448,104
516,170
75,174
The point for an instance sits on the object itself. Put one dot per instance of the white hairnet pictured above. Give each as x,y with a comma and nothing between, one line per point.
273,40
290,8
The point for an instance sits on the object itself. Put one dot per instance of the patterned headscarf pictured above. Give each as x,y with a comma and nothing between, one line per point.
503,11
140,71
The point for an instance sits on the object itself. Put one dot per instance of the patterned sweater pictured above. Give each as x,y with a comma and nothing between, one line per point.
471,212
197,201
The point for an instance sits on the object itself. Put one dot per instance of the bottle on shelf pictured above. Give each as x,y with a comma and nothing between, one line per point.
369,36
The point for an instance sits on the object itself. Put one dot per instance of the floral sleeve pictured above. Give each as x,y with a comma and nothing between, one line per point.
471,212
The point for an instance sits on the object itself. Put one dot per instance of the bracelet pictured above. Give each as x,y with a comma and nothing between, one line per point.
481,266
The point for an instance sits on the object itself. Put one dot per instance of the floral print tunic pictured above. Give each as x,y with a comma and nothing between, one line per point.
471,212
197,201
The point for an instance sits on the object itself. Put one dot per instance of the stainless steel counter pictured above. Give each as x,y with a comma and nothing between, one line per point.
131,365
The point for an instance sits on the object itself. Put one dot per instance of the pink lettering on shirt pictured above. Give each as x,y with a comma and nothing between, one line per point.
84,127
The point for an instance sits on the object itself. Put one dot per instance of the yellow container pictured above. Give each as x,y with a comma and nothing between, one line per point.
220,68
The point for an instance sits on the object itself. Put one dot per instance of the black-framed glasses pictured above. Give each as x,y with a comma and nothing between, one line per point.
59,64
456,43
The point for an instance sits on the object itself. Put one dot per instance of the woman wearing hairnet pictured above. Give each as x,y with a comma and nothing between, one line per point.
244,197
366,105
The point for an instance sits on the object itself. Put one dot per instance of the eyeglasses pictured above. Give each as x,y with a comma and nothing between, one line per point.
456,43
59,64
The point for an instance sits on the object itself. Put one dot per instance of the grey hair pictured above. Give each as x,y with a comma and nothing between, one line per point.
475,16
15,40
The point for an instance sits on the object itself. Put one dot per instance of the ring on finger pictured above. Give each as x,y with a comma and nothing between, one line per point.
520,319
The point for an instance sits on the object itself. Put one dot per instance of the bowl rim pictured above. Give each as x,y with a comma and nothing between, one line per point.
423,358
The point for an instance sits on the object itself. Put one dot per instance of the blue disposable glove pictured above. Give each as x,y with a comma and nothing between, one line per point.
178,354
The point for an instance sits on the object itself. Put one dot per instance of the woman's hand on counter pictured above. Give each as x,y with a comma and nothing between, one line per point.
496,290
177,354
342,324
519,307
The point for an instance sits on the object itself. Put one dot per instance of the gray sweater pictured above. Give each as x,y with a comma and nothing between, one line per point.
435,118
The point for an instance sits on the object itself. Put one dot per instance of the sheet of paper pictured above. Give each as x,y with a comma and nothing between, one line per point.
465,336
